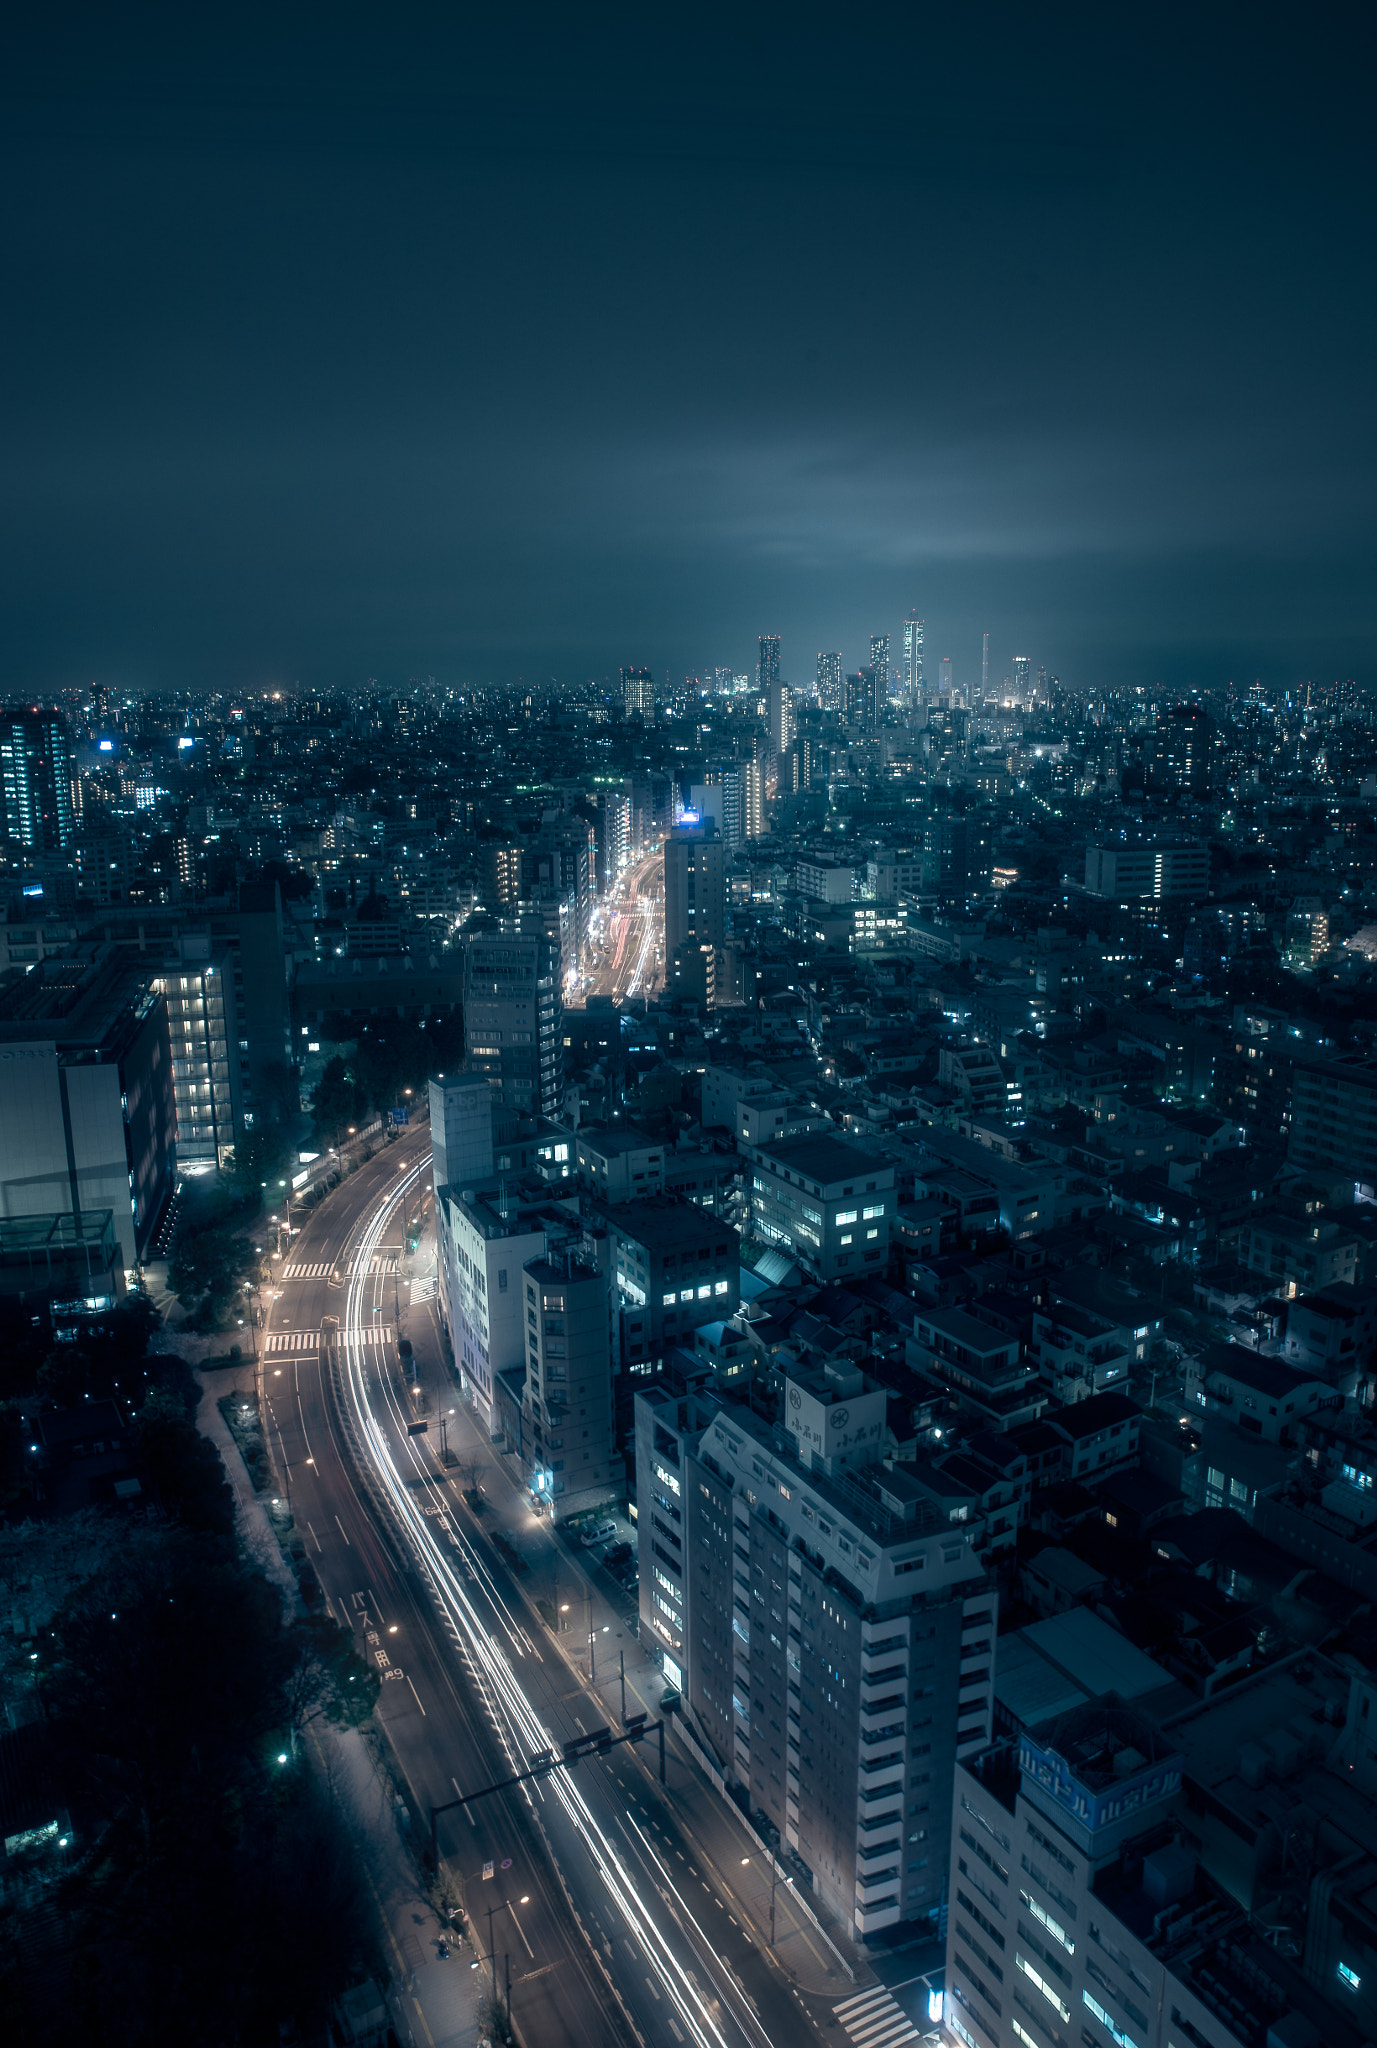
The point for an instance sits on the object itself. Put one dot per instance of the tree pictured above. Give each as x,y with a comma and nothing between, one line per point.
339,1099
327,1680
261,1156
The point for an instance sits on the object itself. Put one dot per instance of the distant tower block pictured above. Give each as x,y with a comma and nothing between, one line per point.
913,657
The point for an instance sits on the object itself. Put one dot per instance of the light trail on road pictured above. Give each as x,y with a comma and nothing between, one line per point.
491,1667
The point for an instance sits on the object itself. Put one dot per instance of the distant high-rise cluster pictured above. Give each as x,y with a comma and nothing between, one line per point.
638,693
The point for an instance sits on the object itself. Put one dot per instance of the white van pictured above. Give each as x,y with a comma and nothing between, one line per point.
597,1532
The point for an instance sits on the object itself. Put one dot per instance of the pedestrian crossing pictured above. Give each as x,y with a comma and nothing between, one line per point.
875,2019
306,1342
380,1263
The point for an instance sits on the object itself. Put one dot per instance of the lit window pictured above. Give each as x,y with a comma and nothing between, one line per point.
845,1216
668,1301
686,1294
1350,1977
721,1287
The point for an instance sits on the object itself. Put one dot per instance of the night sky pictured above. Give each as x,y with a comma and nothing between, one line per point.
347,344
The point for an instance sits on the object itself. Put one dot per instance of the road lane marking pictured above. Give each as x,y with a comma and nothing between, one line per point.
340,1526
519,1928
414,1694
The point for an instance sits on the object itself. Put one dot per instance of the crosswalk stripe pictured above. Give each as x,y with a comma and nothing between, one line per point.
875,2019
889,2033
852,2006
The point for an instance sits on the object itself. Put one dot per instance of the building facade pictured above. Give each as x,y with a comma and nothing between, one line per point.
695,887
830,1205
832,1638
514,1013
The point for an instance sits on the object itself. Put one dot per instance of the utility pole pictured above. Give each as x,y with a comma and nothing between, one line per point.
621,1662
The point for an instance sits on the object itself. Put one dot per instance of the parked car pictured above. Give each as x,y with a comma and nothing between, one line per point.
596,1532
616,1554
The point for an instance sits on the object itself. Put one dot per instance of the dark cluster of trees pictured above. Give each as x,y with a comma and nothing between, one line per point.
209,1891
389,1055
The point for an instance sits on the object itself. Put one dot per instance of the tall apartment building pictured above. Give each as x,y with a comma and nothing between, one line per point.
638,693
913,659
198,989
1334,1117
767,662
864,698
514,1012
830,681
779,711
37,774
879,661
1121,873
829,1205
752,800
499,873
567,1398
695,886
613,831
831,1633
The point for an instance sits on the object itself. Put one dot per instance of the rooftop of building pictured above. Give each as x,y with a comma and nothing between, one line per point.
1088,1418
615,1141
91,996
1049,1667
662,1224
561,1272
515,1206
824,1160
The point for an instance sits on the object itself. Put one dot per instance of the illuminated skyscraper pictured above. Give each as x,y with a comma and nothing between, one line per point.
767,664
36,762
879,661
830,681
1023,678
695,887
752,800
945,683
638,693
864,699
985,666
779,709
913,657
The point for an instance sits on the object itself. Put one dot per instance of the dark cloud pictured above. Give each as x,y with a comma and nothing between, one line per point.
369,346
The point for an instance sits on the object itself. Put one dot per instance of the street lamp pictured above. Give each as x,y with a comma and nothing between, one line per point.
774,1879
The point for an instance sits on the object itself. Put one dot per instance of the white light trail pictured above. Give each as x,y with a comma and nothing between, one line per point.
518,1726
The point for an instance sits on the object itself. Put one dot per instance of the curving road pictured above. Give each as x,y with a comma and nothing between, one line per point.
600,1908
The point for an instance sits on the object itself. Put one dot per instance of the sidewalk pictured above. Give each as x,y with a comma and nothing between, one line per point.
254,1530
435,2001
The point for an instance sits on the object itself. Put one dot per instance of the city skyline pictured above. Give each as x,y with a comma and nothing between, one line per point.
362,396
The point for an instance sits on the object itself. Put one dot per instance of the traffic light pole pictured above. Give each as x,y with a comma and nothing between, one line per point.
546,1763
